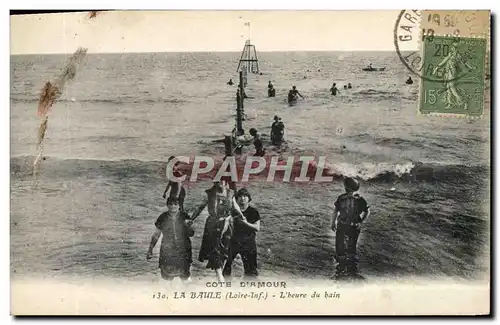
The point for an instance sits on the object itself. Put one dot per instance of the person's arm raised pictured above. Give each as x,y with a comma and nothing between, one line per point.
200,208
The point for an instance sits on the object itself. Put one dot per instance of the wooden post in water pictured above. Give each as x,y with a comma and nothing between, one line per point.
228,145
240,111
239,114
240,107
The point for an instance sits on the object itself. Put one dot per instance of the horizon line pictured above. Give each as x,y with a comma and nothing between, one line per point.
213,51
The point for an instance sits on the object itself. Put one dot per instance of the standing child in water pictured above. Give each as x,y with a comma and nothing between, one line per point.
175,251
350,211
177,191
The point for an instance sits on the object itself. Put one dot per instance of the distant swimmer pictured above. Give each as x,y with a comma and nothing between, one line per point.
238,92
271,92
319,70
345,87
334,89
230,82
349,85
296,92
277,131
409,81
255,140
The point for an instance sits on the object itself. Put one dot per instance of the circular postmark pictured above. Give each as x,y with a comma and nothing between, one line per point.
443,51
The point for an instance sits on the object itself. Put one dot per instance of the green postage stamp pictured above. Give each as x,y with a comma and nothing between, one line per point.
453,76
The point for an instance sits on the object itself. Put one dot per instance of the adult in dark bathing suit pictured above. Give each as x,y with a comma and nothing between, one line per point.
277,131
220,204
243,240
271,92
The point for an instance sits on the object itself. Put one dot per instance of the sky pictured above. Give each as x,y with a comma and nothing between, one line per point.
193,31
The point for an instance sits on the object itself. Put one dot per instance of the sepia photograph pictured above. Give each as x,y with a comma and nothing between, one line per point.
250,162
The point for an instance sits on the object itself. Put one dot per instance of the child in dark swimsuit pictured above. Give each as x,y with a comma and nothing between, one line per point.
177,191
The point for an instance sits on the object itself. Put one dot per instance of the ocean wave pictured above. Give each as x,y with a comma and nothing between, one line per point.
378,94
21,166
436,142
391,142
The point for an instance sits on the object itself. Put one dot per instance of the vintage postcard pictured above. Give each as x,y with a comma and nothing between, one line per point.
250,163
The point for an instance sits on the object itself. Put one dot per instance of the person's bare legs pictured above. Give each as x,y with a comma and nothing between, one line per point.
220,276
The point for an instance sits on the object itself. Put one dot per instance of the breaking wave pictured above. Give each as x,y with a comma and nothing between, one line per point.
367,172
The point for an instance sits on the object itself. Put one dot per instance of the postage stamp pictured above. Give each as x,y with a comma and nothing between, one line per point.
451,83
456,70
199,163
